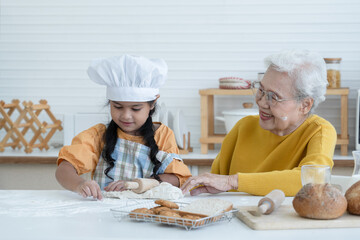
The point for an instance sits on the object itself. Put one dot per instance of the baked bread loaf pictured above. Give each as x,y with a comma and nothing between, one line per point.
319,201
352,196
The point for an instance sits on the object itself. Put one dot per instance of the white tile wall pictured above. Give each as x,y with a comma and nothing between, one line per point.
45,47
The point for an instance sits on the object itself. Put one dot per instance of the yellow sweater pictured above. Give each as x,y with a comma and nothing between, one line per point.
265,161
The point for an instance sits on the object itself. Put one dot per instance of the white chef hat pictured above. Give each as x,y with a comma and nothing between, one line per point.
129,78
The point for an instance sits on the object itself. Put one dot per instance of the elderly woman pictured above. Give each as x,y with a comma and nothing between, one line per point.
266,152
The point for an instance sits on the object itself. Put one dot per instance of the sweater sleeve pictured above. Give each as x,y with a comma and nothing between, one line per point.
222,161
85,149
320,151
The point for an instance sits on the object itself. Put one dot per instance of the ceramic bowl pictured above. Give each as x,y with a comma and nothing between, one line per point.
232,117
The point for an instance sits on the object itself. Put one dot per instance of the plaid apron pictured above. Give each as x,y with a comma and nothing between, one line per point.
131,161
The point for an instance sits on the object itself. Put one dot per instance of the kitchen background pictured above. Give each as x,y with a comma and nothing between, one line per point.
46,46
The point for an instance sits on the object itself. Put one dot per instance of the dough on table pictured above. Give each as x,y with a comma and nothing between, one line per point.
164,191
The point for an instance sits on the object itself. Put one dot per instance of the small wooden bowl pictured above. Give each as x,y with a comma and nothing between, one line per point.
247,105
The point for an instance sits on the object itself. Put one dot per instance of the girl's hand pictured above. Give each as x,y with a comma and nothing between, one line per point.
210,183
89,188
115,186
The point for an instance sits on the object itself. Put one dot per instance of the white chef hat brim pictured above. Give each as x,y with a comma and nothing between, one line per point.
129,94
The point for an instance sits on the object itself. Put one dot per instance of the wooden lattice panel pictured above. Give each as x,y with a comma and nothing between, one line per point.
17,127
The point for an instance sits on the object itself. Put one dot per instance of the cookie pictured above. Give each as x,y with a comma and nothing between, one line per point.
167,203
141,213
168,216
158,209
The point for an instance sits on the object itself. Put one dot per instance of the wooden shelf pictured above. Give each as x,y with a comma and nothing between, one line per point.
209,138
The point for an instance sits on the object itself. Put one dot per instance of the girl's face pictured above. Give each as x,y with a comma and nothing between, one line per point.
130,116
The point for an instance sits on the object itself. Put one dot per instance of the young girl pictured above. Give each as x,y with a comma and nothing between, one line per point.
131,146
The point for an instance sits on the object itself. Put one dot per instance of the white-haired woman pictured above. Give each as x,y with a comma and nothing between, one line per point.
266,152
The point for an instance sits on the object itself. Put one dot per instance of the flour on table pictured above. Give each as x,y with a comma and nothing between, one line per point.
60,203
66,203
164,191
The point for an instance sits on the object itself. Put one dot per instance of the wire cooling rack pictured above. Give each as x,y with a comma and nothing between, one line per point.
124,213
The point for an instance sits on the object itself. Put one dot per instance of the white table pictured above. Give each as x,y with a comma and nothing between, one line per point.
50,214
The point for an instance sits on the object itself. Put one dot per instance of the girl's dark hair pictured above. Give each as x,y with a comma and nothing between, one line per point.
147,131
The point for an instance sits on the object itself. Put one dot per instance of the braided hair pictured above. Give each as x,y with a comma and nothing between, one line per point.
147,131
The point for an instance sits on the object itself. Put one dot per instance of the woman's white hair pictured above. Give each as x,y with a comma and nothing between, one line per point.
306,68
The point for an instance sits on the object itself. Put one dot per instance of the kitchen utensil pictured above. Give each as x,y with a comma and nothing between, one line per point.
187,146
232,117
156,115
271,201
248,104
260,76
163,114
124,212
356,155
286,218
140,185
180,129
234,83
315,174
356,172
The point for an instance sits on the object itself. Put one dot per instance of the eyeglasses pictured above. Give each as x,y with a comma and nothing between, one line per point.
271,98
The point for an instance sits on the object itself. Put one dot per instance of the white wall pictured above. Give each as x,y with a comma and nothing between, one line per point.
45,46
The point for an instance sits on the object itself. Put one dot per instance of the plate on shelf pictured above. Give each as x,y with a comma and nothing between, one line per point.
180,128
155,116
163,114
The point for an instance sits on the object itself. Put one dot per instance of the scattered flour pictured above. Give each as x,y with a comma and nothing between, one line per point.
65,203
54,203
164,191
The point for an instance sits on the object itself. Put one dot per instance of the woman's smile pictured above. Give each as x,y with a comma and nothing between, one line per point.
264,116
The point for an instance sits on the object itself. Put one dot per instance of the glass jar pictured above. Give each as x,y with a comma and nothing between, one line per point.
260,76
333,72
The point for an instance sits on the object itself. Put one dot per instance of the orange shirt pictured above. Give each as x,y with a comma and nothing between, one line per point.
85,150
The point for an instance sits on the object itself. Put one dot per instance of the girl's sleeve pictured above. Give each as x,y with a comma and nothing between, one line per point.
85,149
167,143
179,168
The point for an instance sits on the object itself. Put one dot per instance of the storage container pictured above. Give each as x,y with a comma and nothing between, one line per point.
333,72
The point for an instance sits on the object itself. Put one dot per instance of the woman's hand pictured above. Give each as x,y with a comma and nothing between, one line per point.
89,188
116,186
210,183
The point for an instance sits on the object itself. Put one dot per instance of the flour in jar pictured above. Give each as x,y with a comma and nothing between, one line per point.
164,191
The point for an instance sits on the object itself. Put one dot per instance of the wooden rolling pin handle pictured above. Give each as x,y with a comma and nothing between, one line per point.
140,185
266,207
271,201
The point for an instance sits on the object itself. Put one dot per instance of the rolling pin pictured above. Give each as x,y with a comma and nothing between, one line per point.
271,201
140,185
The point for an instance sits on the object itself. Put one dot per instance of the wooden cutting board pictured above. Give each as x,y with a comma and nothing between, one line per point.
285,217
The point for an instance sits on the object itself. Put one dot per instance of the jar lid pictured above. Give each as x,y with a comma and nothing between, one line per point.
332,60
